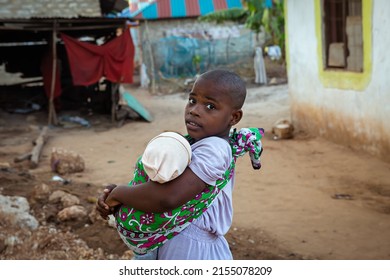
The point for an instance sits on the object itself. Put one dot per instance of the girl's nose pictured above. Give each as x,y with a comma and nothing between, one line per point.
194,110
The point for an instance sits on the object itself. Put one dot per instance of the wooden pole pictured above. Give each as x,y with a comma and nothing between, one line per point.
139,46
149,45
114,90
52,110
36,151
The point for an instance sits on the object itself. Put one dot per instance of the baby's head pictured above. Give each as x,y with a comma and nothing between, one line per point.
214,104
166,156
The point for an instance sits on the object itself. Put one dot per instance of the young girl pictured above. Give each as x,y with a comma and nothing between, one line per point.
214,106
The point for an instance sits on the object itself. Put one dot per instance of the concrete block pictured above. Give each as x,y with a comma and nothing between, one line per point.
336,55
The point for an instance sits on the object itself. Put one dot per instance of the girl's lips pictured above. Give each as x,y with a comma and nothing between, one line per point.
192,124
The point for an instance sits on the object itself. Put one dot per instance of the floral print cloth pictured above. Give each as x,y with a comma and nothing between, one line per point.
143,232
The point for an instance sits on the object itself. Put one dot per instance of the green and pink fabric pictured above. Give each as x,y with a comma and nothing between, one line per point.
143,232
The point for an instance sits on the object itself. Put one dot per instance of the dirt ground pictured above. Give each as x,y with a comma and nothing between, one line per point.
312,199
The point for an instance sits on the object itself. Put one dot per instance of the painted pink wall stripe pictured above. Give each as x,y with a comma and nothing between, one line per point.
192,8
220,5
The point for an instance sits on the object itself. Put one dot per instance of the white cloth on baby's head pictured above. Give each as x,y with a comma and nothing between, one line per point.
166,156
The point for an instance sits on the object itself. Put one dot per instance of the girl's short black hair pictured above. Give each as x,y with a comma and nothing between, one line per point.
231,82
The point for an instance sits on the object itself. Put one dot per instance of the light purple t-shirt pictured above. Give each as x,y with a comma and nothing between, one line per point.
204,238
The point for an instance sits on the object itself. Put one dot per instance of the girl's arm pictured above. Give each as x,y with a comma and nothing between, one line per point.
156,197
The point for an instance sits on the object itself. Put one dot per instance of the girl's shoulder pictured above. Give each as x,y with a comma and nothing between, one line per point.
214,142
211,158
212,147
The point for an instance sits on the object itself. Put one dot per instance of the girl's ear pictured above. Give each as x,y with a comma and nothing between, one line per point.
236,117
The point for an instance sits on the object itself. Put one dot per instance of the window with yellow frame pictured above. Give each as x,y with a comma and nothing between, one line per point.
343,30
343,34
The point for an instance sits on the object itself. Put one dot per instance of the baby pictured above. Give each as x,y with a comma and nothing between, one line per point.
166,156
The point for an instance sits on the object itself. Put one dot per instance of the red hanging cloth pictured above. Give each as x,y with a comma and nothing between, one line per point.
113,60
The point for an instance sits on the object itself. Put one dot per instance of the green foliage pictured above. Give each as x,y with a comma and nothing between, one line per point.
273,22
254,19
251,16
196,60
234,14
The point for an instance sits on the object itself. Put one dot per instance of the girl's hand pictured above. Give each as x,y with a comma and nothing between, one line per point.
101,206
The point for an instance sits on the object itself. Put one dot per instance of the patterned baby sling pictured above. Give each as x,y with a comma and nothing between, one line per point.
143,232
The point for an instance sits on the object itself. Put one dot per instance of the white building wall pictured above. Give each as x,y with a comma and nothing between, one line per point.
356,117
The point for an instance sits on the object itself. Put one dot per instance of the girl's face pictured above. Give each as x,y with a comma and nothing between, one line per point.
210,111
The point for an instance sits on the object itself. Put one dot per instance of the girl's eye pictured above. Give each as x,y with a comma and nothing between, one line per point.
210,106
191,101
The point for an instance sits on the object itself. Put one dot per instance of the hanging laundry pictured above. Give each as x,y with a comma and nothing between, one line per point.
89,62
260,72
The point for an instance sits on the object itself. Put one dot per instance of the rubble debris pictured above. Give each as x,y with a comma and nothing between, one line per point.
16,209
65,162
74,212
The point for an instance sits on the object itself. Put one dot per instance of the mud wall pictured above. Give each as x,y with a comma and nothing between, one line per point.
351,108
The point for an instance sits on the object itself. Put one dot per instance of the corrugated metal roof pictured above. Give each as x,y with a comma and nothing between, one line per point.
161,9
27,9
